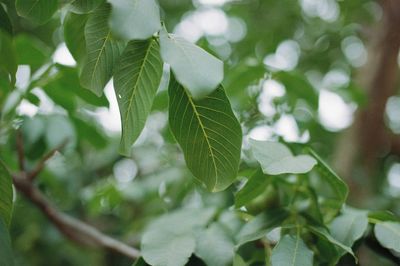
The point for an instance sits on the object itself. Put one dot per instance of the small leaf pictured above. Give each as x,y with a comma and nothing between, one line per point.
254,187
102,51
85,6
6,254
259,226
214,246
291,251
170,240
388,234
74,36
208,133
194,68
275,158
136,80
134,19
349,227
6,195
38,11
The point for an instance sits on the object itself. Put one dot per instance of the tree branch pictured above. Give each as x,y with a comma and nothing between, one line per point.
72,228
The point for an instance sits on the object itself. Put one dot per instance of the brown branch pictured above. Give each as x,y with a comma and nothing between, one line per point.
20,151
72,228
42,163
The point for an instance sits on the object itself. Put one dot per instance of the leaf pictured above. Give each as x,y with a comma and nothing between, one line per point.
388,234
6,195
259,226
31,51
198,71
238,261
170,240
214,246
349,227
85,6
275,158
134,19
254,187
8,62
6,254
337,185
102,51
38,11
140,262
74,36
208,133
5,23
136,80
291,251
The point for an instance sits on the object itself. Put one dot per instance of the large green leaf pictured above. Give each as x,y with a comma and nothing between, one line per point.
214,246
102,51
38,11
6,194
134,19
6,254
275,158
170,240
208,133
85,6
136,80
291,251
388,234
198,71
74,36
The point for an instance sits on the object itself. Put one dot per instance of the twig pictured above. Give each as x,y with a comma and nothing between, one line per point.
42,163
20,151
72,228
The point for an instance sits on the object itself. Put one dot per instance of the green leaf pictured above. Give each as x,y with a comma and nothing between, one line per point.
134,19
275,158
208,133
136,80
85,6
291,251
31,51
238,261
194,68
6,254
6,195
349,227
38,11
74,36
337,185
5,23
214,246
170,240
8,62
388,234
102,51
254,187
259,226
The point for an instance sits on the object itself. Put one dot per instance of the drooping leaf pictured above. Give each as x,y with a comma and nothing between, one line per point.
6,195
255,186
6,254
102,51
85,6
74,36
170,240
214,246
208,133
134,19
8,62
5,23
275,158
388,234
38,11
136,80
194,68
337,185
260,225
291,251
349,227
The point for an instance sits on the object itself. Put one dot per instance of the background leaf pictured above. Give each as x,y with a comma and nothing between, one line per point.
253,188
38,11
6,253
388,234
349,227
102,51
6,195
194,68
74,36
136,80
291,251
85,6
134,19
208,133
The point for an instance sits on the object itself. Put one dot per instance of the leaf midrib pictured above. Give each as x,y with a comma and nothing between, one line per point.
98,57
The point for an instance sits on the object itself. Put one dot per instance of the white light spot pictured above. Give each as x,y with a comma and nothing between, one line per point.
335,78
394,176
236,30
286,56
287,128
327,10
125,170
334,114
23,76
109,117
354,50
261,133
213,2
63,56
393,113
26,108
